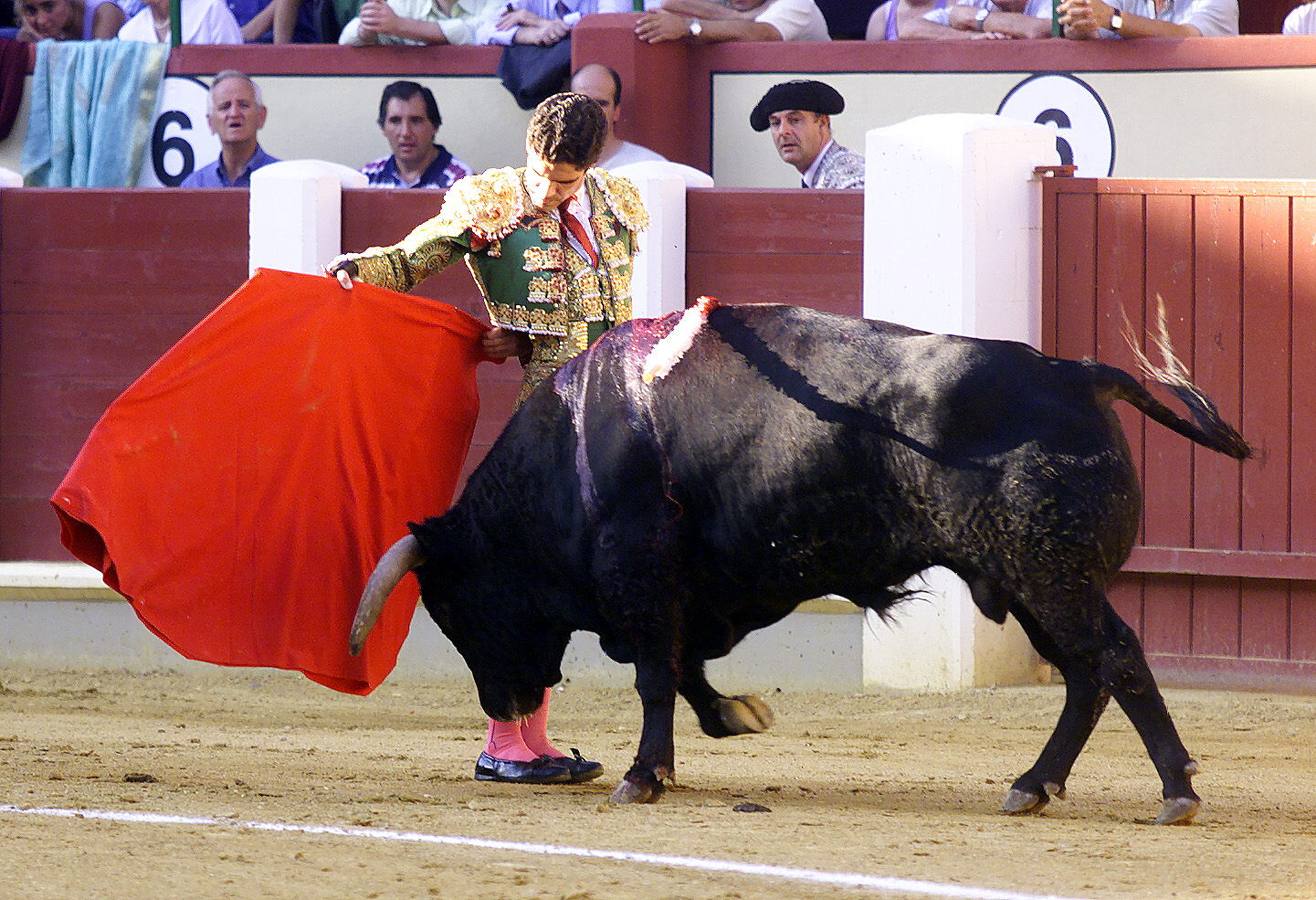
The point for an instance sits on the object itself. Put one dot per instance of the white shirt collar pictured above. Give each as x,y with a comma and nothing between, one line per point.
810,174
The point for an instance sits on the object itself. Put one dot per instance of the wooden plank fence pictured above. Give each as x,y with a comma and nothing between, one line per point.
1222,587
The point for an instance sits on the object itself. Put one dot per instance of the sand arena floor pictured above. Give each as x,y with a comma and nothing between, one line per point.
898,785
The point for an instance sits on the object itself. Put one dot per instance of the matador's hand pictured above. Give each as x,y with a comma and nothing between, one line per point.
500,343
343,268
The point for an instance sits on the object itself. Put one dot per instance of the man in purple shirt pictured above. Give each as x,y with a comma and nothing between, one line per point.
235,114
409,118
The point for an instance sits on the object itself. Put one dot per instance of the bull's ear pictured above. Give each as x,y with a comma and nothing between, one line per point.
440,539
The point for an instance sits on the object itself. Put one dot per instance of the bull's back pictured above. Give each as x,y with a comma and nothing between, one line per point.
808,449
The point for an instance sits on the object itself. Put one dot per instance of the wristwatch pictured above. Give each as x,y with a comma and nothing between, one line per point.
980,18
696,28
1116,21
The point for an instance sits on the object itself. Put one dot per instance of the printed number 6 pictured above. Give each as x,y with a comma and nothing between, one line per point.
1057,118
160,145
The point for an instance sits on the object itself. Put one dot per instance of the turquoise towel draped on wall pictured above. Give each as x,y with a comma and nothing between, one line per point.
93,103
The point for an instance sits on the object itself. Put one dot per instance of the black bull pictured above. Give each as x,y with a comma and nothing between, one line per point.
788,455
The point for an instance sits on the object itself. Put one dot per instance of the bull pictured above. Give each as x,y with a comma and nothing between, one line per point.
790,454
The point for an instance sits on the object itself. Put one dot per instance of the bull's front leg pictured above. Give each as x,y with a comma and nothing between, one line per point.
655,680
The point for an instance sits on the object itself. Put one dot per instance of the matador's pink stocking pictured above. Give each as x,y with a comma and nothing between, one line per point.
534,730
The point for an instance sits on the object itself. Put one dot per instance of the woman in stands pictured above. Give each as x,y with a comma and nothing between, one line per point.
204,22
67,20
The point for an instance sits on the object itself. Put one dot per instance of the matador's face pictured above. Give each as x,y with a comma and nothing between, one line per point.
549,184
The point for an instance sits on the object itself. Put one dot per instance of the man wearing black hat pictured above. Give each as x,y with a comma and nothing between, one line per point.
799,115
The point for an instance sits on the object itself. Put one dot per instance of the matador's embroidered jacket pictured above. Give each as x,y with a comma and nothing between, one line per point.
840,169
530,279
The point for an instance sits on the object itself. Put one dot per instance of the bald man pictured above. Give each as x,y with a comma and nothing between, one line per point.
603,85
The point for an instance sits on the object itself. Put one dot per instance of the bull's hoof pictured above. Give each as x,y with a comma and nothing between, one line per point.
628,791
1018,802
745,714
1178,810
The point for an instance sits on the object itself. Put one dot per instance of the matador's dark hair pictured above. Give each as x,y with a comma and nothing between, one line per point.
568,128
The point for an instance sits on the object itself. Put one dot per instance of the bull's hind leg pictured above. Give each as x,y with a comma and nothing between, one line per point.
721,716
1103,652
1085,700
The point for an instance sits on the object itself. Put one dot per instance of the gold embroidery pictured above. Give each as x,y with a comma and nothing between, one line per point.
549,230
545,259
578,337
490,204
588,300
621,308
494,250
547,289
552,321
602,225
623,199
615,254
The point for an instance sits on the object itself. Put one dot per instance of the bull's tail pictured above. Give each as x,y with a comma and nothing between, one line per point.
1207,427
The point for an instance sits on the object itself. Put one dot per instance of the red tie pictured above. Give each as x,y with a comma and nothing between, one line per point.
578,232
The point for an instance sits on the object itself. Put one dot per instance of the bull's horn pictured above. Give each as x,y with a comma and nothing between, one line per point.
400,559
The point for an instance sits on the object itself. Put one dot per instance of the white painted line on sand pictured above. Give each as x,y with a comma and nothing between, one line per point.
781,873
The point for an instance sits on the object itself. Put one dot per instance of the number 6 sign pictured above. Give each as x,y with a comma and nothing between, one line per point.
1085,134
181,141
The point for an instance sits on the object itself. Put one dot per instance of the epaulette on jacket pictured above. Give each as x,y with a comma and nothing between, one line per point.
489,204
623,199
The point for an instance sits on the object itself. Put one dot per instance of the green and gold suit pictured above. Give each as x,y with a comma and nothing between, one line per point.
530,278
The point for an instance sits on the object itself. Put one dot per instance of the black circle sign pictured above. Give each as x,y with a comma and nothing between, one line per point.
1085,134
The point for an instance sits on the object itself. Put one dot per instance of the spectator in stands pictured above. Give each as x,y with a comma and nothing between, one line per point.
327,18
1302,20
235,112
1084,19
256,20
903,19
603,85
204,22
420,22
846,19
409,118
544,22
707,21
977,19
67,20
799,115
908,23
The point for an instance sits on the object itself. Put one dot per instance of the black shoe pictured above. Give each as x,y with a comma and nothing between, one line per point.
544,770
581,769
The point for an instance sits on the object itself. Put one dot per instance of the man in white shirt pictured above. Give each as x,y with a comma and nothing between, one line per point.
1302,20
706,21
419,22
603,85
1084,19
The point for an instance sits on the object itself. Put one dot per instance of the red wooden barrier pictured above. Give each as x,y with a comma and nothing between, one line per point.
1223,586
94,285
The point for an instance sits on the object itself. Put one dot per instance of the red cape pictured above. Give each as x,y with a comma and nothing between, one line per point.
241,491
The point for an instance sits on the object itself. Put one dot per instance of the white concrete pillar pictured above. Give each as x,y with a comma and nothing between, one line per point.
952,243
296,214
658,282
10,178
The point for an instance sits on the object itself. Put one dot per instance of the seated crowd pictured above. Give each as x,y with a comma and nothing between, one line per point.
798,114
547,22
